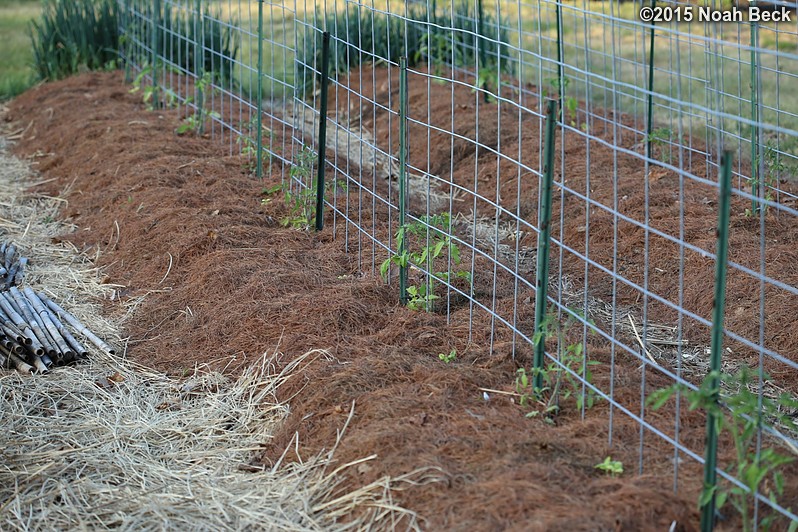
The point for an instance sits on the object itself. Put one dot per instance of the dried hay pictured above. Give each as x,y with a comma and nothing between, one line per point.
111,444
55,266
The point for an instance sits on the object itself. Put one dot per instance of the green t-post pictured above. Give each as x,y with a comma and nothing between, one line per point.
716,346
322,164
544,239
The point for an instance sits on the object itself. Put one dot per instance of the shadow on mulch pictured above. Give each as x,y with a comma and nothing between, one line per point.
214,279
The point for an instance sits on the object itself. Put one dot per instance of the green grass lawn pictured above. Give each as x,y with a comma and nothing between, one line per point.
16,72
702,71
702,80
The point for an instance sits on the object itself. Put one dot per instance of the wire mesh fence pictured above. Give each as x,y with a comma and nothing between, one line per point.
593,251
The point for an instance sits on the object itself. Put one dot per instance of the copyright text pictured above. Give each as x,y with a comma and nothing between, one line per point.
707,14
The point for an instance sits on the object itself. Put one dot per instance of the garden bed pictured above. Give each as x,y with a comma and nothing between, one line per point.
212,277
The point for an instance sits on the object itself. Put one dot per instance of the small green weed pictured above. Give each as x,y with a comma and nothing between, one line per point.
611,467
449,357
741,417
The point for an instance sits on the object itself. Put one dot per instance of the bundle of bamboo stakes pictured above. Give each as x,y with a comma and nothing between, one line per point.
33,337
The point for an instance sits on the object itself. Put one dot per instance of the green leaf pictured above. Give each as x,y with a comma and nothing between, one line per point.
454,251
720,500
438,248
384,268
658,398
706,495
778,481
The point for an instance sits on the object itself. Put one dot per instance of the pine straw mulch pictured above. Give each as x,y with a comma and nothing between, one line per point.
114,444
212,279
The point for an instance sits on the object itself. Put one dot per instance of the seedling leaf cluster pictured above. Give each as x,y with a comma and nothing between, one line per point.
743,416
559,376
431,237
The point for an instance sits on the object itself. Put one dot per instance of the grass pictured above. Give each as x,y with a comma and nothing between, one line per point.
16,71
75,35
606,63
699,70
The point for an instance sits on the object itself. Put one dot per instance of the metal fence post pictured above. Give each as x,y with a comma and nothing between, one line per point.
544,238
722,251
155,41
560,75
483,60
650,97
402,244
325,82
259,170
125,30
755,174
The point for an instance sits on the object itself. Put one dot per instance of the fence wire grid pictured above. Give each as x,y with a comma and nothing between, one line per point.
645,113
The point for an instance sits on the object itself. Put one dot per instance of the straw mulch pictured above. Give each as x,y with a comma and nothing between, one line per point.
112,444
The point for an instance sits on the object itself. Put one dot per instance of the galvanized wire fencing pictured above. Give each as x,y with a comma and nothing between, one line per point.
611,202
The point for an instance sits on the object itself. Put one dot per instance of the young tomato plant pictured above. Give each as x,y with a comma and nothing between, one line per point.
148,91
449,357
559,382
301,202
611,467
433,234
661,138
742,416
249,145
196,122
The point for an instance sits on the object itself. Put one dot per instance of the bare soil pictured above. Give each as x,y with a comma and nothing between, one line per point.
214,278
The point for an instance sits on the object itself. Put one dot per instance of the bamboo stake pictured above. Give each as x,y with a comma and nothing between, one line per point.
47,361
41,310
80,349
11,331
7,342
73,321
28,315
37,362
17,362
12,302
20,323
